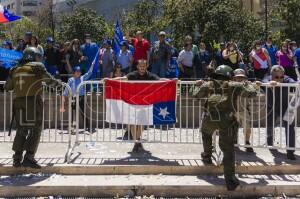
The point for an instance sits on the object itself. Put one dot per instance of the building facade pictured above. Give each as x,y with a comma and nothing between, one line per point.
109,9
26,8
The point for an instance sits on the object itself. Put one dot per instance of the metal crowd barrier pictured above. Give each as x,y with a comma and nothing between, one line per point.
56,124
253,114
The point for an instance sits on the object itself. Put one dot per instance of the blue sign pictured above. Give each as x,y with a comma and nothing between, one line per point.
9,58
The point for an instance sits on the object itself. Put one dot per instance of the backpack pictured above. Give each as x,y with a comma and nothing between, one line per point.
220,99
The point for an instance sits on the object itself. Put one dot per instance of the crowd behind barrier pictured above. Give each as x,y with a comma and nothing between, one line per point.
76,113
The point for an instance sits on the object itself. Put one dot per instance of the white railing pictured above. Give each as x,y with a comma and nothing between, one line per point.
58,126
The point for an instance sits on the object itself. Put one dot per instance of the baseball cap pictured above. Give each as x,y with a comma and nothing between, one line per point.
77,69
162,33
125,43
239,73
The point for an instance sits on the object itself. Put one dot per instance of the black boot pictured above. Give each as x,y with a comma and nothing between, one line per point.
290,155
206,159
17,159
249,149
29,161
232,183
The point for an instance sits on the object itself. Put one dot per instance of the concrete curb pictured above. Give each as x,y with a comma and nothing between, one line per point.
161,191
153,169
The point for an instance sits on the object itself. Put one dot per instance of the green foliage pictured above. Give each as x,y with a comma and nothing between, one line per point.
81,22
213,20
207,20
18,28
289,12
144,16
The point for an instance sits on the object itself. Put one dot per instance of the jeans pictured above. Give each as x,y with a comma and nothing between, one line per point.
289,129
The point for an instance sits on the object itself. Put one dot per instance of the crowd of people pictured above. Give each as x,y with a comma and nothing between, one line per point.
194,61
139,60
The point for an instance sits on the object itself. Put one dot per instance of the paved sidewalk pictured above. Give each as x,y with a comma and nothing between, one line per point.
92,153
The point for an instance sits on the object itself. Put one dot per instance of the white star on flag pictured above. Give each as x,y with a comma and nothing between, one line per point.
164,112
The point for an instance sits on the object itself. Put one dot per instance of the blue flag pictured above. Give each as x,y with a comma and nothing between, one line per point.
9,58
96,68
118,38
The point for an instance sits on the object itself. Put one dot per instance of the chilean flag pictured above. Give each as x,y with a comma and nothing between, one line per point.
6,17
140,103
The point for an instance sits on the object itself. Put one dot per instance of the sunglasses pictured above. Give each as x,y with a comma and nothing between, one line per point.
279,77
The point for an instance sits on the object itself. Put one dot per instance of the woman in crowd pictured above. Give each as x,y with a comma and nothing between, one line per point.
232,56
284,58
73,56
35,43
260,59
185,61
117,71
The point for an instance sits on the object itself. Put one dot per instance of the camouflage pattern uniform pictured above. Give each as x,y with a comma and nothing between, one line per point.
222,96
26,82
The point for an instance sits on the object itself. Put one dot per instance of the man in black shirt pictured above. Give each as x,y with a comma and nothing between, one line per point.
141,74
52,56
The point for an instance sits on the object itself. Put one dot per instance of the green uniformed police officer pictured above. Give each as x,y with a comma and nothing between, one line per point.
26,82
222,95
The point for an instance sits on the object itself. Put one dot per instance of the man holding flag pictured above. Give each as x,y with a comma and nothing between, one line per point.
140,103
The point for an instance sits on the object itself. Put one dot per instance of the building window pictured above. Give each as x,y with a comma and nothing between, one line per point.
30,3
28,13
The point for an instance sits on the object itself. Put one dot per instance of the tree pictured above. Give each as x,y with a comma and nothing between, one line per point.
288,11
145,16
213,21
26,25
81,22
45,16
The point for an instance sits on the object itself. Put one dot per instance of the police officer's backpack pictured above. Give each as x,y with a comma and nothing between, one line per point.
219,98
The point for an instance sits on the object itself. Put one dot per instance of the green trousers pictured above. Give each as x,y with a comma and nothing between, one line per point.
29,118
228,129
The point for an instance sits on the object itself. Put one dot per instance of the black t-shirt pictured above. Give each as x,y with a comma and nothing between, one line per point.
52,57
136,76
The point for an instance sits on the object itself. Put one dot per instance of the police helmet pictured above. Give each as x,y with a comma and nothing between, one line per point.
30,53
224,71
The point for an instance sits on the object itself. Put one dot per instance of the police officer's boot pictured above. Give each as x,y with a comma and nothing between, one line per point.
206,159
29,161
17,159
232,183
291,155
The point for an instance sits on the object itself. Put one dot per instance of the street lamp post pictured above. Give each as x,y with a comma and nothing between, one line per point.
266,19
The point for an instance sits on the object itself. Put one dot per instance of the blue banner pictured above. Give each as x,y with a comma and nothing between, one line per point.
9,58
173,69
118,38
